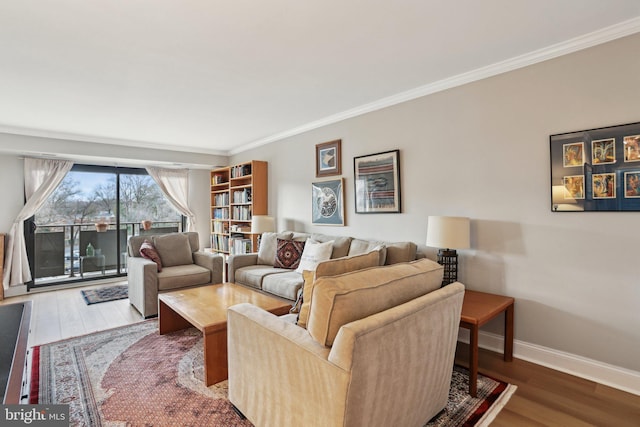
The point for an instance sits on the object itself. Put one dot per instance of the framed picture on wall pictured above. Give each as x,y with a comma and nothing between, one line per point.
329,158
377,182
596,169
327,202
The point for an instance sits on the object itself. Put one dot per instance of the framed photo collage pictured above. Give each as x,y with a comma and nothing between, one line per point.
596,169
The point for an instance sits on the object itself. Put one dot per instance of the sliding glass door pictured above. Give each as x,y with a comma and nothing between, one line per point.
81,232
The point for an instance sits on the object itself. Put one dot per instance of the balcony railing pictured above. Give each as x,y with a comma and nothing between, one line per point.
61,255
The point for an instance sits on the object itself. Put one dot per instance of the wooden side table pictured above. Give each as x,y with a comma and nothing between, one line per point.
477,309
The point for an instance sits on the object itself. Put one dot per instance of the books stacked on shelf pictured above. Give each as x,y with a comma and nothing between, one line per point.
221,199
220,227
242,196
220,242
240,170
221,213
239,245
242,213
218,179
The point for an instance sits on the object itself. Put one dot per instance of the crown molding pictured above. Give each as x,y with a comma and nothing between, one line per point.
42,133
575,44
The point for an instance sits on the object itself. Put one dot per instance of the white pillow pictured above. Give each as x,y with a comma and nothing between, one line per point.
313,254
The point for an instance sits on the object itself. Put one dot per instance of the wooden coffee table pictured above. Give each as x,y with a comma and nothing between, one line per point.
205,308
477,309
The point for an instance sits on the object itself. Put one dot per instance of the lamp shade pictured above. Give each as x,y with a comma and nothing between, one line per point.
448,232
262,224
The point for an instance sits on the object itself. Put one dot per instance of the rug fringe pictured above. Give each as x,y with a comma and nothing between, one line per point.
497,406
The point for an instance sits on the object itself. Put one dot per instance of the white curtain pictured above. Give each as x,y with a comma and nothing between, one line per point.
174,183
41,178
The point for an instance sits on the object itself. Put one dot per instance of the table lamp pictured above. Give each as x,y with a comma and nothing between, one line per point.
448,233
262,224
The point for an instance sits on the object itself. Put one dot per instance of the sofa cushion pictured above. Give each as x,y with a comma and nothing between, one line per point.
148,251
299,236
359,247
253,275
269,246
340,244
331,267
288,254
180,276
400,252
285,285
174,249
338,300
314,252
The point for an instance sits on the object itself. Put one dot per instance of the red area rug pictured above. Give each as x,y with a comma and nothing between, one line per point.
132,375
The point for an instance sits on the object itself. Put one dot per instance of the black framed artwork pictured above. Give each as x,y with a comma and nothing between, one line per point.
596,169
377,182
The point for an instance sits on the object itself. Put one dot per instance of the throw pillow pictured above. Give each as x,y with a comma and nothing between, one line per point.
332,267
307,289
341,299
174,249
148,251
288,254
295,308
313,254
269,246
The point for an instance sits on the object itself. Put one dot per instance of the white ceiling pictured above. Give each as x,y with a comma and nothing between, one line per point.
219,77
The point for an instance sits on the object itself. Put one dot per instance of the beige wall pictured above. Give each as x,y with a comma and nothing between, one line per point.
482,150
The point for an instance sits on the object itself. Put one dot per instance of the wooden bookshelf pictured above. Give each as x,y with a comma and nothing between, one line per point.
237,193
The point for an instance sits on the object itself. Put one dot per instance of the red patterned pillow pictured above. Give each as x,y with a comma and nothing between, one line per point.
148,251
288,254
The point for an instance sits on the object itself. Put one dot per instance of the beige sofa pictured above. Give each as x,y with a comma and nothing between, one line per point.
257,269
183,265
378,351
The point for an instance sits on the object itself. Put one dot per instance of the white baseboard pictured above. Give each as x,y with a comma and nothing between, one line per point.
593,370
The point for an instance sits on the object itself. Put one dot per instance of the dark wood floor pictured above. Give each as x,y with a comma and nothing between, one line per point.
546,397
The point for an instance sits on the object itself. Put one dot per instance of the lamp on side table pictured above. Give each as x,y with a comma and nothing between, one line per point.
448,233
262,224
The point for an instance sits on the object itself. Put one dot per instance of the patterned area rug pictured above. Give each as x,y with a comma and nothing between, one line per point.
132,375
108,293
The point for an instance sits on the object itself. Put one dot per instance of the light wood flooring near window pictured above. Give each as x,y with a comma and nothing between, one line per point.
63,314
544,397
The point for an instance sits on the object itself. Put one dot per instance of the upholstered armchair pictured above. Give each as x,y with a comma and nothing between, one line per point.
378,350
171,261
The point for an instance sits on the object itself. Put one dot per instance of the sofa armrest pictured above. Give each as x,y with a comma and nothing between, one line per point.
235,262
211,261
142,276
270,360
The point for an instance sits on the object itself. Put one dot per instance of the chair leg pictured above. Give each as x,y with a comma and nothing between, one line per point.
237,411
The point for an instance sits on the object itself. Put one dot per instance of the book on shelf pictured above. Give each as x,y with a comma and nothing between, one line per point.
221,213
242,213
218,179
242,196
239,245
220,242
221,199
240,171
220,227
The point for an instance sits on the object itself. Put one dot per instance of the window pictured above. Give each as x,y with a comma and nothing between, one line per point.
80,233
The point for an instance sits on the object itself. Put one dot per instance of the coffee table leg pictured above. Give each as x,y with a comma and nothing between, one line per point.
508,334
215,357
473,361
169,320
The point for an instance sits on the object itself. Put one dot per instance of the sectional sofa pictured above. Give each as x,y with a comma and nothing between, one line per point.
262,270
